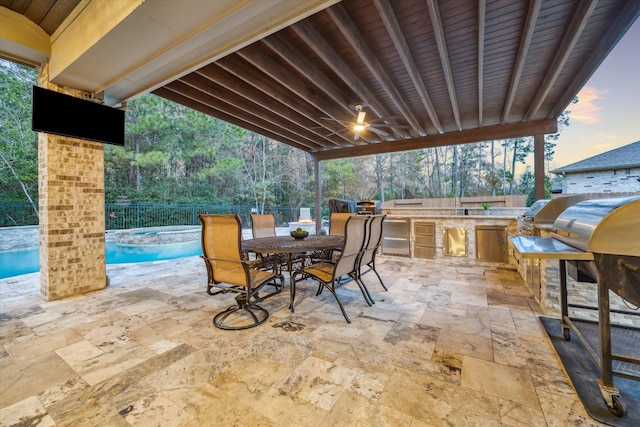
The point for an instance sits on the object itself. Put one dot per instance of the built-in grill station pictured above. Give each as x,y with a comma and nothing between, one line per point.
599,241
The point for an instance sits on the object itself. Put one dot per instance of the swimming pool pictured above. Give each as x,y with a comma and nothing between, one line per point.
14,263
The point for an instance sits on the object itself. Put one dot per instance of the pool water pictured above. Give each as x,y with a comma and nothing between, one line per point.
14,263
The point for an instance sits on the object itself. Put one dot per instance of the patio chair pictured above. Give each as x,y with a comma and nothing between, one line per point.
366,239
263,225
374,242
337,222
228,271
329,273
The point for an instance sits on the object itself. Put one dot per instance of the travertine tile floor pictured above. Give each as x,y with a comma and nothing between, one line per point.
446,345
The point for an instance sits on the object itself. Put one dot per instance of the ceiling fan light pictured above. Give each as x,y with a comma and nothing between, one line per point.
358,127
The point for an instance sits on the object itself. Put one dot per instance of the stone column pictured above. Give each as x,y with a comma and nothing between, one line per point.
71,204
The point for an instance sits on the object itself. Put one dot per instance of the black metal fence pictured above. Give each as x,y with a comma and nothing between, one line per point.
13,214
125,216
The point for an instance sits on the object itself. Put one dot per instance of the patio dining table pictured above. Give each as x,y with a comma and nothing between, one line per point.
288,246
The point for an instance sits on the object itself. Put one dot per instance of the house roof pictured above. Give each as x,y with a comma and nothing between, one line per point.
426,73
625,157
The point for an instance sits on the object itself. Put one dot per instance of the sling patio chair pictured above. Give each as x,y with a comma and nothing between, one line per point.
374,241
337,221
264,225
328,273
229,271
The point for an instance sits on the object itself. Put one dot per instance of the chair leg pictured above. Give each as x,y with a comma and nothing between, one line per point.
364,290
257,315
338,284
380,279
321,285
361,285
332,290
278,284
373,267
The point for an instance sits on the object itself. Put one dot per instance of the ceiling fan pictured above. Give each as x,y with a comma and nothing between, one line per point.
360,125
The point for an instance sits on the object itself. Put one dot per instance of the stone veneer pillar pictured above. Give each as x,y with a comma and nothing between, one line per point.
72,224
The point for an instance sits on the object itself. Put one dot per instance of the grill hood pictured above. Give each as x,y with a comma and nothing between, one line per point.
605,226
547,210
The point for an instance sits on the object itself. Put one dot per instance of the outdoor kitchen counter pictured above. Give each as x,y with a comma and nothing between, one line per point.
485,217
482,239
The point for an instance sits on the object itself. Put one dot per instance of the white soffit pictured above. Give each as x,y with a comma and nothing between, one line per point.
125,48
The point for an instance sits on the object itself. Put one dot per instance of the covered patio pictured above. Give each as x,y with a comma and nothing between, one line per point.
332,78
446,345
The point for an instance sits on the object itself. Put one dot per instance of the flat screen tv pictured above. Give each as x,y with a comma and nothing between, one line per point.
62,114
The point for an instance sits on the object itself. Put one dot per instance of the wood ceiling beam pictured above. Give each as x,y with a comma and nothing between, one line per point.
390,21
441,42
268,101
179,98
482,10
525,42
217,98
578,22
290,54
333,60
200,79
629,12
546,126
348,28
253,56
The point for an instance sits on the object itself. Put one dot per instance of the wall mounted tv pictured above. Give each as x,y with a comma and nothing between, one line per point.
62,114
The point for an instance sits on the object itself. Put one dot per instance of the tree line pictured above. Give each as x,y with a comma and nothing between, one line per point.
176,155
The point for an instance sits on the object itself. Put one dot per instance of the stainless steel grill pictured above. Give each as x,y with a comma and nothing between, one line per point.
542,214
598,241
538,218
604,226
368,207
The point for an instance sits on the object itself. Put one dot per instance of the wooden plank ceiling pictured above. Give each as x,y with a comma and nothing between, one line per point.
48,15
446,72
425,73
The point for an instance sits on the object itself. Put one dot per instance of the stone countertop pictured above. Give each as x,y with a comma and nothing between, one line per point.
487,217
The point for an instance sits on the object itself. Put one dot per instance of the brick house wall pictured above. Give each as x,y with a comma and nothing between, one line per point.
608,181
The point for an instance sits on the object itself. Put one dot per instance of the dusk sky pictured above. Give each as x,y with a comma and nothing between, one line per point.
607,115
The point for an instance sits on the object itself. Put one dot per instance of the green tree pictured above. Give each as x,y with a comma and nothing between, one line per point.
521,148
294,176
338,177
18,143
172,154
